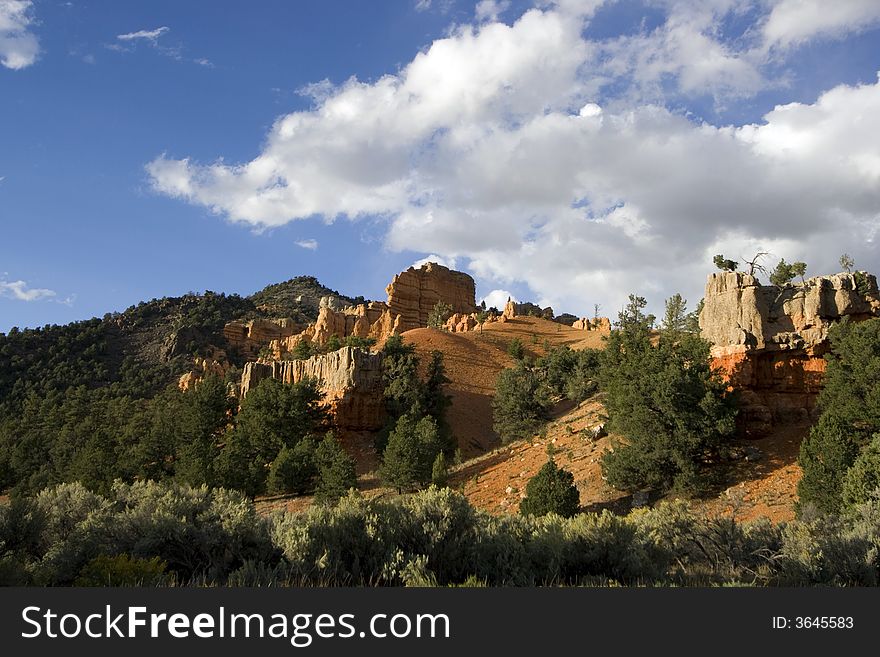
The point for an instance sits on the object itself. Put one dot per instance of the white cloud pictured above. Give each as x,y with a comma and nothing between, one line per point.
498,299
19,290
793,22
19,47
310,244
490,10
451,263
147,35
492,147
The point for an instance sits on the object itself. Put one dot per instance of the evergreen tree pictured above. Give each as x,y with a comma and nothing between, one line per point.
551,490
439,314
336,470
437,402
333,343
724,264
412,448
204,413
303,350
666,401
521,402
294,469
516,350
439,471
850,405
862,481
272,416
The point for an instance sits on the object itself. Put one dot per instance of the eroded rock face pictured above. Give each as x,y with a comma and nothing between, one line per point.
414,293
250,337
350,378
601,324
769,342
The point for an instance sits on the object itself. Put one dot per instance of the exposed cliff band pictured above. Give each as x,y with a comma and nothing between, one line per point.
770,341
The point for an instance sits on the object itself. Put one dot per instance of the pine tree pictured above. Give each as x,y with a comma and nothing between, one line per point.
850,404
336,470
413,446
439,471
294,469
666,401
521,402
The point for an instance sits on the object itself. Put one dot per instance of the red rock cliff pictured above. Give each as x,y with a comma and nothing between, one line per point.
770,342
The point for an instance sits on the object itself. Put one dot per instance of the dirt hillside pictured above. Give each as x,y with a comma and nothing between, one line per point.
473,361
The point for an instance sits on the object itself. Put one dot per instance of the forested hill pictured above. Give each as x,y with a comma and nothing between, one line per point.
143,348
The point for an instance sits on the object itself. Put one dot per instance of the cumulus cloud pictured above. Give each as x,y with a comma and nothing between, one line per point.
501,147
310,244
19,290
498,299
793,22
19,46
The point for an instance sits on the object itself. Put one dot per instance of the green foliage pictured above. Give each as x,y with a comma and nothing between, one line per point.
850,404
333,343
303,350
724,264
862,481
551,490
437,402
122,570
294,469
570,374
336,470
863,284
439,470
785,272
677,320
413,446
272,416
521,402
668,404
439,314
516,350
162,533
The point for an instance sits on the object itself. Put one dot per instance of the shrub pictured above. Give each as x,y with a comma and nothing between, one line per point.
122,570
551,490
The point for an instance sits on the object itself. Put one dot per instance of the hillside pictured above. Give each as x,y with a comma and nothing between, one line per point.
475,359
146,346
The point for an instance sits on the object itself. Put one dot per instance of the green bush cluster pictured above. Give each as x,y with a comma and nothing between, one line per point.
154,534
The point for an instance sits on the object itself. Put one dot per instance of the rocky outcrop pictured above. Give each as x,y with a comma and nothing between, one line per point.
350,378
769,342
370,320
601,324
414,293
202,367
459,323
250,337
509,311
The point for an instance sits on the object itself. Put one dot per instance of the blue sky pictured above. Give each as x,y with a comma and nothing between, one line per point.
566,153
